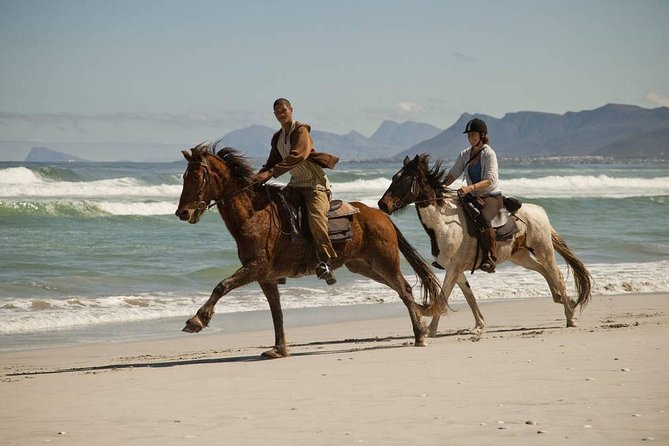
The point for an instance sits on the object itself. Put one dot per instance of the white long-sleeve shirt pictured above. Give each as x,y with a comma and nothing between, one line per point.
488,169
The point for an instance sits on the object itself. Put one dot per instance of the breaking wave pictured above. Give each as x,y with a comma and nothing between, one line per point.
85,208
43,314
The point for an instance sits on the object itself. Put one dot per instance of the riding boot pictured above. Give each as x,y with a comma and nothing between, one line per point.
489,246
325,272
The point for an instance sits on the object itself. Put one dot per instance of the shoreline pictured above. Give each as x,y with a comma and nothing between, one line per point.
169,328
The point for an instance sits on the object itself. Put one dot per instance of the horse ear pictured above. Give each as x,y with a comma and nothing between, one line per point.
424,158
406,160
200,147
187,155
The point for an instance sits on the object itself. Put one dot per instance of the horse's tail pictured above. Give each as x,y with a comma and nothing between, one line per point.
582,276
428,281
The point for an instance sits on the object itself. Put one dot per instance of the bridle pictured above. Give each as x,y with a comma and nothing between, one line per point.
201,204
409,197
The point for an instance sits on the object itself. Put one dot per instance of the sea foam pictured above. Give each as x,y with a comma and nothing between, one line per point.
43,314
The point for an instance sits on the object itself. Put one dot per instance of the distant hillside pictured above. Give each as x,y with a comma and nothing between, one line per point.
44,155
389,138
253,141
403,135
612,130
649,145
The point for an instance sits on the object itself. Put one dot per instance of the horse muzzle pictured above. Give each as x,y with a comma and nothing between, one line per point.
192,216
385,207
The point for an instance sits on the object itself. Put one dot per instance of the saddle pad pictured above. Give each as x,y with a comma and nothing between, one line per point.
506,231
339,208
339,221
503,223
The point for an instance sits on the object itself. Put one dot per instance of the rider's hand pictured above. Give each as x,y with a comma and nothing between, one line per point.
262,177
464,190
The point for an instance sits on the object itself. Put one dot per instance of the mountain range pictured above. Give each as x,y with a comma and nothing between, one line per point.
390,138
613,130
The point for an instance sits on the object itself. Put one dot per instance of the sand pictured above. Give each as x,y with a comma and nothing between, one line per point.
528,381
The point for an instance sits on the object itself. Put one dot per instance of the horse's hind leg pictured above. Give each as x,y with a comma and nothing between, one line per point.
398,283
466,289
201,319
545,265
271,291
524,259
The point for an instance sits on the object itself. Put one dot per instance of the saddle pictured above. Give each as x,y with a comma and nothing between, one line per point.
339,220
505,226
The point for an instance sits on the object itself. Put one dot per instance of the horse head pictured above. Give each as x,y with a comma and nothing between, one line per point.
196,191
409,185
210,177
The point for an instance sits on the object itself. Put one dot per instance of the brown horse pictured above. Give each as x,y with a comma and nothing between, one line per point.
252,214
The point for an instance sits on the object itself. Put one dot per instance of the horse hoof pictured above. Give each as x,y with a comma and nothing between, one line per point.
193,325
477,333
420,343
274,353
571,324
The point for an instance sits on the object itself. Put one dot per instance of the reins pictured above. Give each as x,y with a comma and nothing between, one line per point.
207,206
222,200
207,179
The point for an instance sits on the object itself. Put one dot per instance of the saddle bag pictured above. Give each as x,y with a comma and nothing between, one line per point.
505,227
339,221
511,204
473,213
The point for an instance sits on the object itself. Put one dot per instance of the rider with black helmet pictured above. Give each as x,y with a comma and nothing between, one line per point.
479,163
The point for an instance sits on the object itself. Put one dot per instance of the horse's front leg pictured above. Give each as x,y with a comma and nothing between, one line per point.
471,300
279,350
446,289
241,277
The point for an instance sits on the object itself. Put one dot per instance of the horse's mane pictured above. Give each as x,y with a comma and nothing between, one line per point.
436,174
238,164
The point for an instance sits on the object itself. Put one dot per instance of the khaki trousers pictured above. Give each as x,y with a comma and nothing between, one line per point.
317,205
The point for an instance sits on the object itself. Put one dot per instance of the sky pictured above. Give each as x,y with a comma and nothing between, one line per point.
137,72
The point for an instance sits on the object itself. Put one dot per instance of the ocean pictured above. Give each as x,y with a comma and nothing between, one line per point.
92,252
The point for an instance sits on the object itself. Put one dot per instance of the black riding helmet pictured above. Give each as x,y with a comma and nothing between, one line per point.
476,125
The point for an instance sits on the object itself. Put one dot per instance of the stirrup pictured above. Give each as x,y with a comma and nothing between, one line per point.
324,272
487,265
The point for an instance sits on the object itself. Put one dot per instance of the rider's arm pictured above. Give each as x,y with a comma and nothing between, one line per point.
490,174
298,153
457,169
272,160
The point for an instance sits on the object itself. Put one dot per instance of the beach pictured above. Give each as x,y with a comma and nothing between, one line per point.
351,380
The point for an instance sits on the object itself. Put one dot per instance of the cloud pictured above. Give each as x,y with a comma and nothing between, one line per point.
408,109
657,99
79,122
401,111
122,127
463,58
